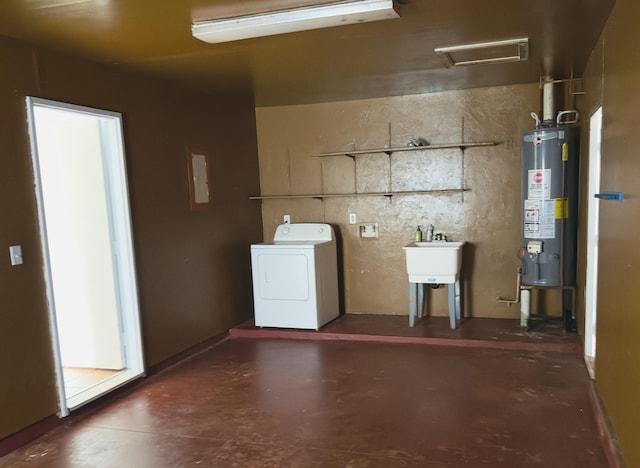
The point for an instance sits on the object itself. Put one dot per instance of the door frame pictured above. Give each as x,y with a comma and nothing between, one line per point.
593,224
118,209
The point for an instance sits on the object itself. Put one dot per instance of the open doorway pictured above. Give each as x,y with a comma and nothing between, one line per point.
83,205
593,222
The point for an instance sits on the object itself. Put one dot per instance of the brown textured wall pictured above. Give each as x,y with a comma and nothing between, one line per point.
27,384
614,74
488,216
193,267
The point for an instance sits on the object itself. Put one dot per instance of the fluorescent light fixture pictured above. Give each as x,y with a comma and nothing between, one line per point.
295,19
510,50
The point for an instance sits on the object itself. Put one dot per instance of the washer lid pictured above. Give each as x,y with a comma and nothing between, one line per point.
303,232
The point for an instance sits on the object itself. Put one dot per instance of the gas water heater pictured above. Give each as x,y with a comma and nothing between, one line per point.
550,205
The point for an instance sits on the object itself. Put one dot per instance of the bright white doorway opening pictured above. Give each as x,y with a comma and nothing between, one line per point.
593,221
85,229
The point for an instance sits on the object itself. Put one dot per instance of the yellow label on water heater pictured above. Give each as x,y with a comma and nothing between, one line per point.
565,151
562,209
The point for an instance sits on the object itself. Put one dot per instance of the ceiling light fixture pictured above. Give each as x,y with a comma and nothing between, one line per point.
510,50
295,19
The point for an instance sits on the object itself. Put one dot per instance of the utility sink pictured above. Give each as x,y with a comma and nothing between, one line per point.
433,262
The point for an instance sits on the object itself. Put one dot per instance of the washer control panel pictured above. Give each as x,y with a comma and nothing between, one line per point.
300,232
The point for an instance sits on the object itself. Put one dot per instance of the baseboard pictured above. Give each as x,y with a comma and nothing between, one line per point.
187,354
607,438
28,434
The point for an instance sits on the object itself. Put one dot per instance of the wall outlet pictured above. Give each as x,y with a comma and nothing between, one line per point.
368,230
352,218
287,219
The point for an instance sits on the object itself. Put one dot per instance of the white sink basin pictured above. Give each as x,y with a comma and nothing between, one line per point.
433,262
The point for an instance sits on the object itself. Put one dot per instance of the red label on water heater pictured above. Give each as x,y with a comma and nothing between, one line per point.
539,184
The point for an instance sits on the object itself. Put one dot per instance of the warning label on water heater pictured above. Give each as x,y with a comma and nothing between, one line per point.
539,219
539,184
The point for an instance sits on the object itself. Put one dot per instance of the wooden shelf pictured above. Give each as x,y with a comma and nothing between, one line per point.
389,151
362,194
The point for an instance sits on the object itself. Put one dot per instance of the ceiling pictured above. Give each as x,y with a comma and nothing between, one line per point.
384,58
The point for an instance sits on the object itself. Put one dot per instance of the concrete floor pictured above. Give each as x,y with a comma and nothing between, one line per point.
279,402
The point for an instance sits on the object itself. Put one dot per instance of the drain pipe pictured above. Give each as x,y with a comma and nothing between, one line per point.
523,296
517,299
525,307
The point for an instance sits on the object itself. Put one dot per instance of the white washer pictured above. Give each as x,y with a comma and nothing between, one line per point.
295,277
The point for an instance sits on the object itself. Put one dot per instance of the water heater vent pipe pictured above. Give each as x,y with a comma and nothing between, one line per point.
548,109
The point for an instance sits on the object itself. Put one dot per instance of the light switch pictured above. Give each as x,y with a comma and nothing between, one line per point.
15,252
